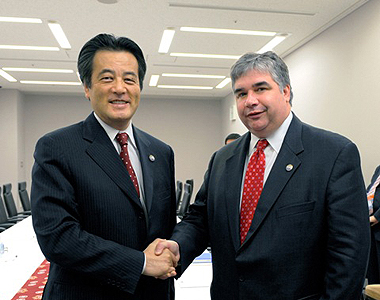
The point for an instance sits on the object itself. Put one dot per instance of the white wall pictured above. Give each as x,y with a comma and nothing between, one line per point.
335,79
191,127
11,137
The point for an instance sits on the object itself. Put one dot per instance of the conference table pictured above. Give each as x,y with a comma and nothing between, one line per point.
23,256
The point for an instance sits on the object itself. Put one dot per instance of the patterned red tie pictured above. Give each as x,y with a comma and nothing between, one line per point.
253,185
122,138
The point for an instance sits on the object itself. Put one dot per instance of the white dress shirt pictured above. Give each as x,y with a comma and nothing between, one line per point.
275,141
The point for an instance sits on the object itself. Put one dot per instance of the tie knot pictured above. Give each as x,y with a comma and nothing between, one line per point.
122,138
261,145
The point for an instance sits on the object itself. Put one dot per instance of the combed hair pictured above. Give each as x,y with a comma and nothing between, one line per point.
108,42
268,62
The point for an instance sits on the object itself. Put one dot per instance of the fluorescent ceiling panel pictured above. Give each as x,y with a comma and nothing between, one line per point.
20,20
37,70
7,76
223,83
228,31
49,82
191,75
199,55
188,87
166,40
36,48
59,35
154,80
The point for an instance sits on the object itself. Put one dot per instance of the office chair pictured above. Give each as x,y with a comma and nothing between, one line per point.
178,193
185,201
23,195
6,222
372,292
191,182
10,203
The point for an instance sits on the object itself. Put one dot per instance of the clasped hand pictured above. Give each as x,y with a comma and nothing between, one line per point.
162,258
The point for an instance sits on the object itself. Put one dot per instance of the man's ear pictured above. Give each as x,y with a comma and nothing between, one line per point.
286,93
87,91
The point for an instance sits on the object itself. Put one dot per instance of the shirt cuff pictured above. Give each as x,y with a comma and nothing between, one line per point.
143,269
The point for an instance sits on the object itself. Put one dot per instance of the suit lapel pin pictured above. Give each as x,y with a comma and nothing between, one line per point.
152,158
289,167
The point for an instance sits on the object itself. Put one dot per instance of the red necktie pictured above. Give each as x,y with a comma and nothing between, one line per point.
122,138
253,185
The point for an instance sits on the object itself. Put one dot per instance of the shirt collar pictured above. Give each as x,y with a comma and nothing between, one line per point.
112,132
276,139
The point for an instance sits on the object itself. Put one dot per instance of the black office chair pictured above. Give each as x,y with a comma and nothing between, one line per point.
185,201
24,196
178,193
191,182
10,203
6,222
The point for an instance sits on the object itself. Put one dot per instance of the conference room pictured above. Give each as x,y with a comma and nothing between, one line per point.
330,47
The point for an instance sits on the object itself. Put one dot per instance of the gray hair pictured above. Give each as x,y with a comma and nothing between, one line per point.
268,62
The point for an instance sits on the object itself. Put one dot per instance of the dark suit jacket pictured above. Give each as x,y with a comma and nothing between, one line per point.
309,238
87,216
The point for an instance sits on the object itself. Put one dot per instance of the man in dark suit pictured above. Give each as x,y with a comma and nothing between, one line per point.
91,220
373,197
309,235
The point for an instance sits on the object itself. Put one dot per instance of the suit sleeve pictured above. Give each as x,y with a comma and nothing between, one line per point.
348,236
192,232
56,220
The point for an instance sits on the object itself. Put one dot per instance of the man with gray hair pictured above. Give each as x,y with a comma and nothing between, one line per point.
284,207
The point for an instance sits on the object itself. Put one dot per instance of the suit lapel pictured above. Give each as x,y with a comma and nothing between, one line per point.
232,186
285,166
147,159
103,152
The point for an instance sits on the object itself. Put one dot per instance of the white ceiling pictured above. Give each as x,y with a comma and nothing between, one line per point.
144,21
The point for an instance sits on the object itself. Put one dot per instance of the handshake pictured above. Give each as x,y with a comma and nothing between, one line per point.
161,259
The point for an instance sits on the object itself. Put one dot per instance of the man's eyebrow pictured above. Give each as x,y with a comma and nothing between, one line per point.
113,72
106,71
257,84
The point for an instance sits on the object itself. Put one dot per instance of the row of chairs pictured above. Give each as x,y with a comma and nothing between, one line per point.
184,192
8,211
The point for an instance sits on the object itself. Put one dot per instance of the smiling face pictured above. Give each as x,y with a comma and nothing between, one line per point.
261,105
115,88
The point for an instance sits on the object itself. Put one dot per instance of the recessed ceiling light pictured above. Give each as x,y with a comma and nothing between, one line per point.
37,70
20,20
37,48
50,82
191,75
7,76
228,31
59,35
223,83
199,55
154,80
188,87
273,43
166,40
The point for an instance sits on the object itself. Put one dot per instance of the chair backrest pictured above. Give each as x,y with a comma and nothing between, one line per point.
191,182
185,202
3,212
9,201
24,196
178,192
